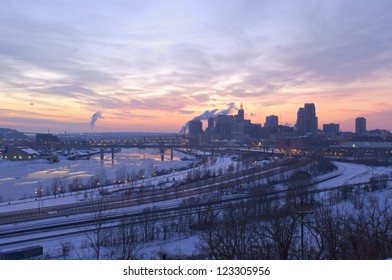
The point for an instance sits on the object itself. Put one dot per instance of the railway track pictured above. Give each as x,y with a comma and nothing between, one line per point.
136,215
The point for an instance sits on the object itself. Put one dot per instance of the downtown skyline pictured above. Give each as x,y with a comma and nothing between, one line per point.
154,65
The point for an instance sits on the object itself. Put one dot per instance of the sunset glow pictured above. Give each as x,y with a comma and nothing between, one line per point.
154,65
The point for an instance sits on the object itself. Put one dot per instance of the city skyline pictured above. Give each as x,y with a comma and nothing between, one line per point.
153,66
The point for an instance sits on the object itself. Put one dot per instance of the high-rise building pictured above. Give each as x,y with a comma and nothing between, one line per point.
211,122
195,127
211,125
224,125
300,125
307,121
271,121
331,128
360,126
241,114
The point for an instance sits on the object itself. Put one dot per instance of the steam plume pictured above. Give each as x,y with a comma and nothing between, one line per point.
94,118
231,108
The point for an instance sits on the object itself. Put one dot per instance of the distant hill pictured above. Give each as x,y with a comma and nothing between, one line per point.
8,134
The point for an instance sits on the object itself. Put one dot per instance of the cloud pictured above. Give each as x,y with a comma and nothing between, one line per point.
346,41
174,57
40,124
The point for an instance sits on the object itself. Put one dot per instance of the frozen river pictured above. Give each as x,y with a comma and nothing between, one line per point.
20,179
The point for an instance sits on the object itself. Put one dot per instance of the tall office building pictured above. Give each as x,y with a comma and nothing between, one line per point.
195,127
211,125
360,126
307,121
271,121
241,114
224,125
211,122
300,125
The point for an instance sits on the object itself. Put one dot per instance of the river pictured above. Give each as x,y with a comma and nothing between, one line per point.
20,179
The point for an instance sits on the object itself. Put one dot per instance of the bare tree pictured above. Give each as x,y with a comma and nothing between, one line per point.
121,175
299,193
280,232
101,176
66,248
97,234
76,185
326,228
229,237
124,241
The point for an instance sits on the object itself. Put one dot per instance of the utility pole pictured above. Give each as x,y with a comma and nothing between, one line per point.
302,215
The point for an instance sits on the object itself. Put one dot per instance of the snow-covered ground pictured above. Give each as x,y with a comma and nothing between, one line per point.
222,163
19,179
351,173
346,173
151,250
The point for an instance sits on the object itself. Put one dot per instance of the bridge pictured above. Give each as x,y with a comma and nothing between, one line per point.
162,147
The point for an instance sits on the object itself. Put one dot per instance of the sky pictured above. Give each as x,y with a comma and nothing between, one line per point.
94,65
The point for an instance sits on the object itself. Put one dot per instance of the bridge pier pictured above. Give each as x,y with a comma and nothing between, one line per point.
112,150
102,154
162,151
171,154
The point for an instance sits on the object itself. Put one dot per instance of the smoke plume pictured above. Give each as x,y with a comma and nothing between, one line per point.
231,108
94,118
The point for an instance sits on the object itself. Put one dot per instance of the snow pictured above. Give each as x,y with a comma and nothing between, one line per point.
20,179
185,245
347,173
351,173
30,151
223,162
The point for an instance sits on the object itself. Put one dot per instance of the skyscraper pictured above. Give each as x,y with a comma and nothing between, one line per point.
307,121
211,122
300,125
360,126
271,121
241,114
195,127
224,125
